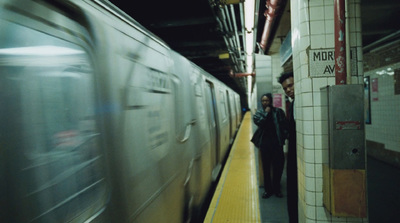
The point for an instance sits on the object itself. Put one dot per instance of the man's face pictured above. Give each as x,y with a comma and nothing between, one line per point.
288,87
265,101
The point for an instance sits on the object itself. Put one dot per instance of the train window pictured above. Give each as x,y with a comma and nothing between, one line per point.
223,104
201,110
179,111
211,103
196,80
49,128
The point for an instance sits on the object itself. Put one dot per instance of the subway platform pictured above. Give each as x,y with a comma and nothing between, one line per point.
238,196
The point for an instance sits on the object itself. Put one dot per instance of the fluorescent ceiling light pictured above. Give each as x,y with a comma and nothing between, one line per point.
249,7
249,14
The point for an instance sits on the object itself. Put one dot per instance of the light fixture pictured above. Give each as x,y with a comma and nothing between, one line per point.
249,7
388,71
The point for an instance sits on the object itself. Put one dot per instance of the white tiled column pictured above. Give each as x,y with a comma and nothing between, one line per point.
312,29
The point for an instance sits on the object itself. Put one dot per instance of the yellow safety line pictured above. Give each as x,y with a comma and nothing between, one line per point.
236,195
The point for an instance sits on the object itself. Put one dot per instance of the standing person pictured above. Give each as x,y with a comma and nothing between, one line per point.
287,82
270,138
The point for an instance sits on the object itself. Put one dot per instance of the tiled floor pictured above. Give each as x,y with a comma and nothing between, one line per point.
273,209
383,184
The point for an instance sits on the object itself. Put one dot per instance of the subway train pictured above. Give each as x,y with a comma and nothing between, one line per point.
101,121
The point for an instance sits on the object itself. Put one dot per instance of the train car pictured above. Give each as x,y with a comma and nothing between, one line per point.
101,120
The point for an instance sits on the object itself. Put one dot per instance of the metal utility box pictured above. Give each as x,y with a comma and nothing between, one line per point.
344,181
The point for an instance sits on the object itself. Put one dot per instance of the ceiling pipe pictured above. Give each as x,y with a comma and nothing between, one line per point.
225,29
340,42
227,22
223,19
241,10
239,65
381,42
244,74
272,11
228,18
236,32
234,36
270,14
235,75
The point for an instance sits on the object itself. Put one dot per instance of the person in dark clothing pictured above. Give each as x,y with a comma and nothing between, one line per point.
270,138
287,82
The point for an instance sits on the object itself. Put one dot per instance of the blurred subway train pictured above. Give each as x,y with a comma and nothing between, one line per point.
101,121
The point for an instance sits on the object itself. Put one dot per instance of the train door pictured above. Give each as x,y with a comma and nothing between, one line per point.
236,112
214,134
228,105
233,112
223,121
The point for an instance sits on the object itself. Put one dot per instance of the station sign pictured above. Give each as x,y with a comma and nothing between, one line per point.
322,62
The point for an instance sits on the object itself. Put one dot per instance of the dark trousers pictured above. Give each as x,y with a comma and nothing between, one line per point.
273,161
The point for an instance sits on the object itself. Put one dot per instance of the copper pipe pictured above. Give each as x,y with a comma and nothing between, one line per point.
241,74
273,7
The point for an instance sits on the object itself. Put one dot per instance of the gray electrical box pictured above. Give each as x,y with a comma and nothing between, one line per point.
344,179
344,106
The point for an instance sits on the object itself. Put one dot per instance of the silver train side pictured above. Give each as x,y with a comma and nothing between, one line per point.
101,121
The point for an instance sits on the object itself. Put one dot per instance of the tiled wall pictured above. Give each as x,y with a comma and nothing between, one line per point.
382,66
312,28
276,71
385,107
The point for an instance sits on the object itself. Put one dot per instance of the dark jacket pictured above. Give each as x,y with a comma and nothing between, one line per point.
279,119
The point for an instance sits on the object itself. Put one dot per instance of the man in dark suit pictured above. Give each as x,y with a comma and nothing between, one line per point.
287,82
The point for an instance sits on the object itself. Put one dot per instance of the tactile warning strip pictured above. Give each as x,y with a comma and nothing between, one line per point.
236,195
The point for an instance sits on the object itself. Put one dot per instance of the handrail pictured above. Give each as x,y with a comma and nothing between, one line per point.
187,131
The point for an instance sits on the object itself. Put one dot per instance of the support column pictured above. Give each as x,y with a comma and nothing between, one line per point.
313,46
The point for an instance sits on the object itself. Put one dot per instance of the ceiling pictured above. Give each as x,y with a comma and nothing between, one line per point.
196,30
